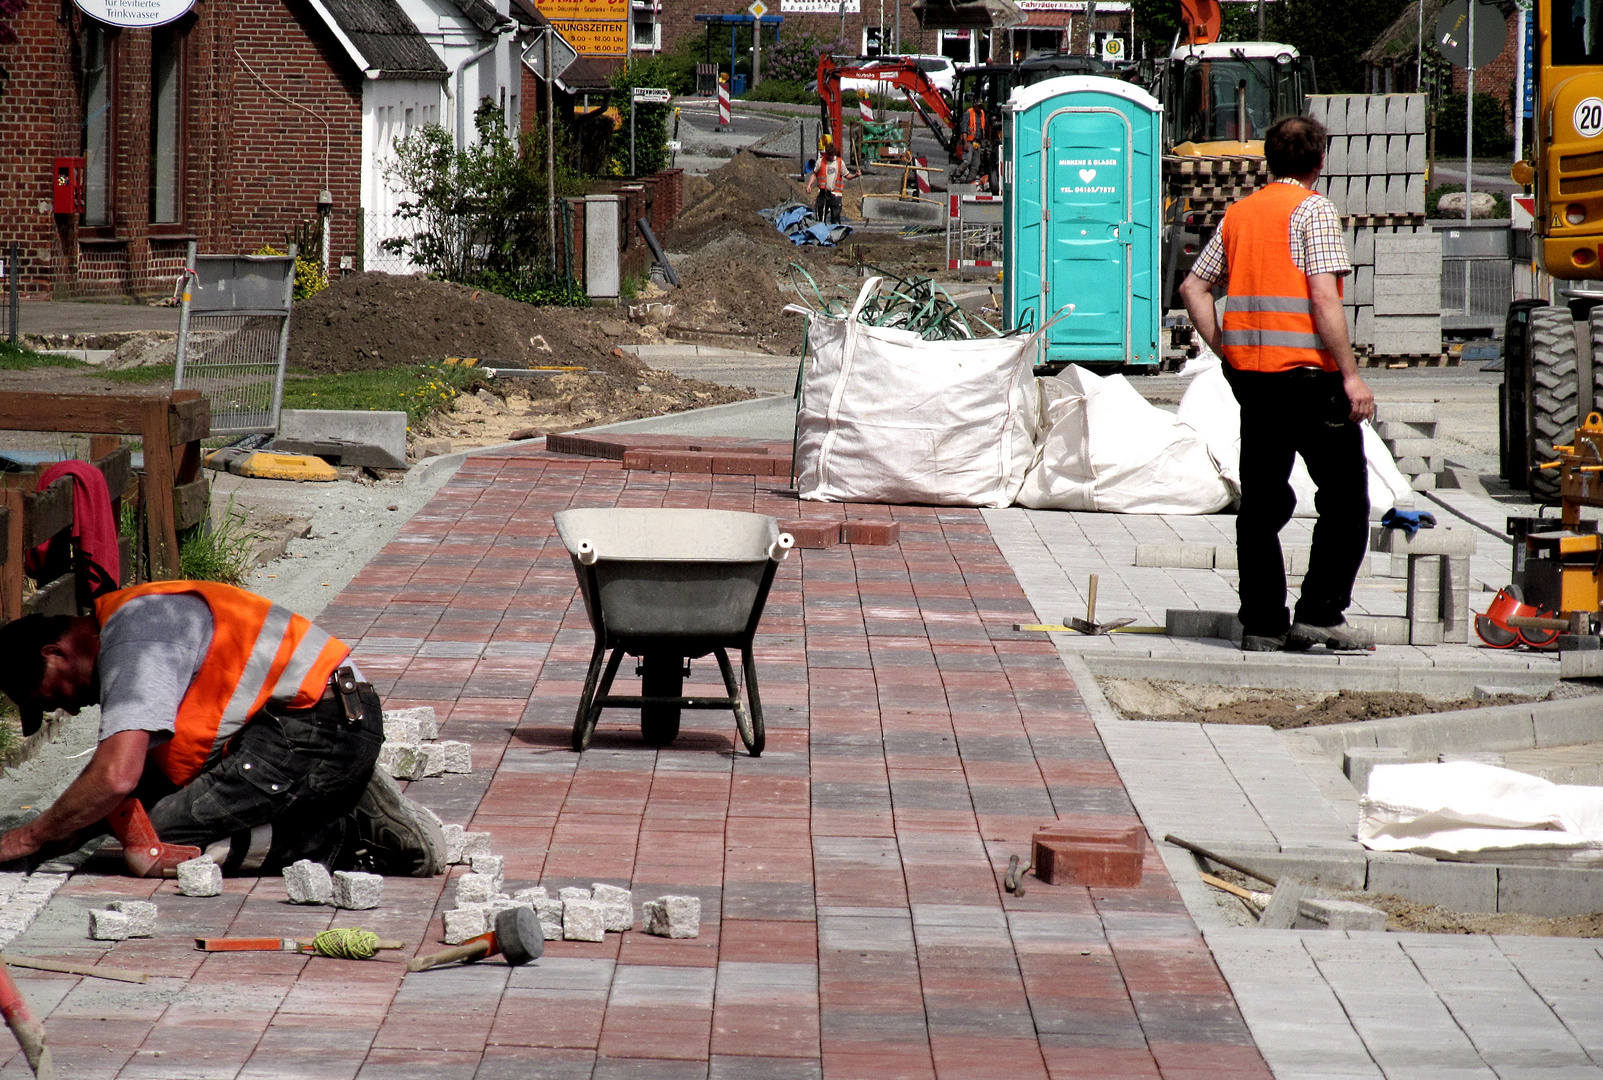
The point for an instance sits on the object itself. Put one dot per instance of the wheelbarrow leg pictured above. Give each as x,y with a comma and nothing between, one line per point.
750,734
584,724
748,665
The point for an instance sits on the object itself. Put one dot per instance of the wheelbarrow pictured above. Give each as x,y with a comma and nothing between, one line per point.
670,586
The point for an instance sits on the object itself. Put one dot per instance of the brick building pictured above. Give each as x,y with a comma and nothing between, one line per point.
232,127
1391,63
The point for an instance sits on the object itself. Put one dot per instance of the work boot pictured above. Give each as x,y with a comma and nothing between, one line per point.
1262,642
1338,638
395,835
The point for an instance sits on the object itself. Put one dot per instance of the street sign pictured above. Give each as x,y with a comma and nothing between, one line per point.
1452,33
137,14
651,95
758,9
596,37
562,54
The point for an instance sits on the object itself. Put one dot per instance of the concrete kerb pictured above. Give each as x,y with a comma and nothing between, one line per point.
1541,724
1320,673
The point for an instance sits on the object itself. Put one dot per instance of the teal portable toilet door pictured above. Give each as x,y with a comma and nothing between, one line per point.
1085,256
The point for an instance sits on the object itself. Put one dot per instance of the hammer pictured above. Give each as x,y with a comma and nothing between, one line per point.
145,853
517,936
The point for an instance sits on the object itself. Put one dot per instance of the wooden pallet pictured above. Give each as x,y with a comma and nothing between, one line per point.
1225,165
1408,360
1377,221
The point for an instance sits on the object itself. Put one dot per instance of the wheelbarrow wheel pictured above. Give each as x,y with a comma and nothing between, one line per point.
661,676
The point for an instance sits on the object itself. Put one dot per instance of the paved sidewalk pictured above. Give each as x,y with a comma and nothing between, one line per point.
853,920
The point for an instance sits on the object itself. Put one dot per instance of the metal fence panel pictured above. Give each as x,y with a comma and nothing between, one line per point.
1476,292
10,294
233,337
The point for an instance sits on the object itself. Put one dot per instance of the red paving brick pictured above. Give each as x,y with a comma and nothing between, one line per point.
854,924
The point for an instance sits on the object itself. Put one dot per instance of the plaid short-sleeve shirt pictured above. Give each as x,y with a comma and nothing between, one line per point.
1317,244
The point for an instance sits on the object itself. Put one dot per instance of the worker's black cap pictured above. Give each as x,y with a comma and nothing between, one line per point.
22,668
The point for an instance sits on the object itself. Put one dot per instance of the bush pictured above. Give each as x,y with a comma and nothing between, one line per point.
310,278
1492,137
480,213
796,58
651,121
789,91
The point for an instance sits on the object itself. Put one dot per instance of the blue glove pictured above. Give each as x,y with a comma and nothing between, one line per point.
1412,520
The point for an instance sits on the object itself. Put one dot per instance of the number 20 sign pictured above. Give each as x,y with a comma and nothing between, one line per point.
1589,118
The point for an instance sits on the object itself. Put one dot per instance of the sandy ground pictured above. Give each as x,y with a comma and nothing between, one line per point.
1154,699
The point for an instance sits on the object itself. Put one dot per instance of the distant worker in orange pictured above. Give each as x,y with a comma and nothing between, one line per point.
974,141
830,179
1290,363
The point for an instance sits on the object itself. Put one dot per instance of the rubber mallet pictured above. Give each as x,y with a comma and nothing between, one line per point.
517,936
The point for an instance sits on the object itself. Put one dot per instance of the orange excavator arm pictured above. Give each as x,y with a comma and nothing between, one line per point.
1200,21
901,74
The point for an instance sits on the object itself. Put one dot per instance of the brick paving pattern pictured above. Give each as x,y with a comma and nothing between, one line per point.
854,921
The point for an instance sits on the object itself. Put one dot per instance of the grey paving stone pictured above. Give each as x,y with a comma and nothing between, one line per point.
757,983
641,985
768,900
731,1067
1549,890
1458,886
648,1069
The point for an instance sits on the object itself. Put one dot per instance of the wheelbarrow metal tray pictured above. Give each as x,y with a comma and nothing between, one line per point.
671,573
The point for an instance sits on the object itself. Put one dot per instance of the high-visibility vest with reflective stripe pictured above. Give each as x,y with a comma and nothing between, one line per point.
1269,314
832,176
259,653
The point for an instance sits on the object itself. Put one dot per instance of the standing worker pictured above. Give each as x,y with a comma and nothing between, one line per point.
239,726
1290,363
830,178
974,145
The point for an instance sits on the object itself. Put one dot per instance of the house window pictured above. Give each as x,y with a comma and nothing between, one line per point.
645,32
166,111
873,41
96,125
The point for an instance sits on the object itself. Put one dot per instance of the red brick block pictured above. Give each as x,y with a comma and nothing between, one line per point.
743,464
637,459
812,534
873,533
1073,853
684,461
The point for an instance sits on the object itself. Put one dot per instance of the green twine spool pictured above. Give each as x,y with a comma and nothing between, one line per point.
346,944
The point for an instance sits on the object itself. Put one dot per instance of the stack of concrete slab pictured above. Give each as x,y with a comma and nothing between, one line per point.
1408,428
1438,581
1376,161
1407,312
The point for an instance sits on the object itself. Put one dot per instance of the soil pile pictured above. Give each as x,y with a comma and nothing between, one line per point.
364,322
1142,699
737,191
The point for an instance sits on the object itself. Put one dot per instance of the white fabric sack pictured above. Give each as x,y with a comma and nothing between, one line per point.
1210,407
1107,448
1466,811
886,416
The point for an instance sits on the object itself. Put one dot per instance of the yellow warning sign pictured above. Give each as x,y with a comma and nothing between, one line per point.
595,37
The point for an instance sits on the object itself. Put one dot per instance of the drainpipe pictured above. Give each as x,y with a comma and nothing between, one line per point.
461,94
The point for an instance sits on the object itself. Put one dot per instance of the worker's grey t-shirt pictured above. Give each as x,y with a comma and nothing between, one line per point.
150,651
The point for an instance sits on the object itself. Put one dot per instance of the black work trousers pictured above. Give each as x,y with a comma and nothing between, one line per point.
1302,411
283,791
827,207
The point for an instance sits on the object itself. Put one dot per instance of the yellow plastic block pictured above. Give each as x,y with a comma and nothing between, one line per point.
266,466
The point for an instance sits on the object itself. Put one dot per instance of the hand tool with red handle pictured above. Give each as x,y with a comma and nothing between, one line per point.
517,936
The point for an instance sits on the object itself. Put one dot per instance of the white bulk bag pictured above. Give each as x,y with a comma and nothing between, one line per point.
1109,449
888,417
1210,406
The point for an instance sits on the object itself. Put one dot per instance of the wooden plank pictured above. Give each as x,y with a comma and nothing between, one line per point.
160,524
11,569
89,413
58,597
191,502
189,420
117,467
5,535
49,512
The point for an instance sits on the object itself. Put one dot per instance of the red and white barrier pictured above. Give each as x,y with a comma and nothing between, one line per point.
922,172
723,103
864,111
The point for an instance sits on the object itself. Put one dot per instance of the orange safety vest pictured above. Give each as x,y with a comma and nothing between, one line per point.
259,653
1269,314
831,175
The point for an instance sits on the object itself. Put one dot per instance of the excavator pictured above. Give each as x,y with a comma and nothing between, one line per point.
894,73
1553,352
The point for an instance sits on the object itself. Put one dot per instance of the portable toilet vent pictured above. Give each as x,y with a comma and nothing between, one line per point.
1084,219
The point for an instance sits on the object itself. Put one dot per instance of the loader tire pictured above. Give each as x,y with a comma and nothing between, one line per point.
1554,391
1596,321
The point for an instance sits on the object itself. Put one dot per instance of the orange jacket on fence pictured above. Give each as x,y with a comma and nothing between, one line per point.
259,653
1269,315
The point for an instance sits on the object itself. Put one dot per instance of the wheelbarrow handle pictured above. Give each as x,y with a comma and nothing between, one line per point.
587,553
779,550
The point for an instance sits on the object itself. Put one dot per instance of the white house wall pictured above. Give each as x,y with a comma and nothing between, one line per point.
391,110
454,38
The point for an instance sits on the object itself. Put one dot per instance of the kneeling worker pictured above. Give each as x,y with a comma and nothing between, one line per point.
239,726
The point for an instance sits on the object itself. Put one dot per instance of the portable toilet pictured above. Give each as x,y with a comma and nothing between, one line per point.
1084,217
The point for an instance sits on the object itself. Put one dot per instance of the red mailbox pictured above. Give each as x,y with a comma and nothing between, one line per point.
68,188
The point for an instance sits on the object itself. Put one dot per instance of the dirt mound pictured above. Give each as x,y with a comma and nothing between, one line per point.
737,191
367,321
1156,699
